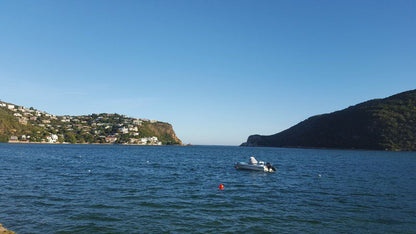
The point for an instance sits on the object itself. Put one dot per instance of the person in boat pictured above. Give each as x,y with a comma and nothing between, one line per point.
270,167
252,161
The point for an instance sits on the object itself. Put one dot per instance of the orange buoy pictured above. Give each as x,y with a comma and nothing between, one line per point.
221,187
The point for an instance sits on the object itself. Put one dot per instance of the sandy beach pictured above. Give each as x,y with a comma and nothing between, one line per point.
5,231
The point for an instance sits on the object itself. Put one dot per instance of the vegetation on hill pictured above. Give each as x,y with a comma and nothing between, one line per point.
380,124
20,124
9,125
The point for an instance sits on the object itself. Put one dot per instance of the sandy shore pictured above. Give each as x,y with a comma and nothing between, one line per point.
5,231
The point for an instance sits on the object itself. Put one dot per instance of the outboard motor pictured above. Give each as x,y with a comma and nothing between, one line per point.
269,166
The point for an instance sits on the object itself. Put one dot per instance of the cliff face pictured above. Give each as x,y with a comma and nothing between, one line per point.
164,131
380,124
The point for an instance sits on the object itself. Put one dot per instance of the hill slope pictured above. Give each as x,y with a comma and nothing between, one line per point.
379,124
20,124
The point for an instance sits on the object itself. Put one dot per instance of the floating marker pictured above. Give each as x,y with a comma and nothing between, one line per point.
221,187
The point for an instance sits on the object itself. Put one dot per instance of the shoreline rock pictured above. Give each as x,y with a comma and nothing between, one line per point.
3,230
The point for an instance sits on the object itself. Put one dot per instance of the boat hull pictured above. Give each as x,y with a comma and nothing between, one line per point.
252,167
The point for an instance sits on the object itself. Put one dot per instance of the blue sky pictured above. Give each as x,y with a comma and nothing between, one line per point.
218,71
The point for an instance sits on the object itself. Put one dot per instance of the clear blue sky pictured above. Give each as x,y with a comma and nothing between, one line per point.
218,71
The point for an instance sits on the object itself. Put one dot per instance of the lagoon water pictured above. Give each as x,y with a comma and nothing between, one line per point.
146,189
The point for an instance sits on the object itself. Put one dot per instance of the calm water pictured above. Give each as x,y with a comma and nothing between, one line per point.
139,189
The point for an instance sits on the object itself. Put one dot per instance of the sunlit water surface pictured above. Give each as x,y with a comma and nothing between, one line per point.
142,189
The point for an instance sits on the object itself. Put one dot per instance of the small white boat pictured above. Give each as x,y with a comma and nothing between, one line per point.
254,165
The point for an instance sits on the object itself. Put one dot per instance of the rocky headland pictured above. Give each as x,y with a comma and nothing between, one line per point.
19,124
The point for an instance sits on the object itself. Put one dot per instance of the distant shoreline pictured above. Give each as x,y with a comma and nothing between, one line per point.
66,143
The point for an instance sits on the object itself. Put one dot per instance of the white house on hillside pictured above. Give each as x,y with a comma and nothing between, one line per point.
52,139
124,130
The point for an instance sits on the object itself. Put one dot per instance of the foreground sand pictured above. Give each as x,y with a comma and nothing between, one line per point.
5,231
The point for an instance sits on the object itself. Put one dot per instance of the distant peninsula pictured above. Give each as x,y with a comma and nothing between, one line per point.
379,124
19,124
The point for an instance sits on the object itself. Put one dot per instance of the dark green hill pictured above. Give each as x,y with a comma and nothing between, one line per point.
380,124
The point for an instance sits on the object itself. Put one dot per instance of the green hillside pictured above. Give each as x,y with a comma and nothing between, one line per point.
20,124
380,124
9,126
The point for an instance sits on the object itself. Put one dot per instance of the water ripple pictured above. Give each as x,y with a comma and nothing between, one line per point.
117,189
